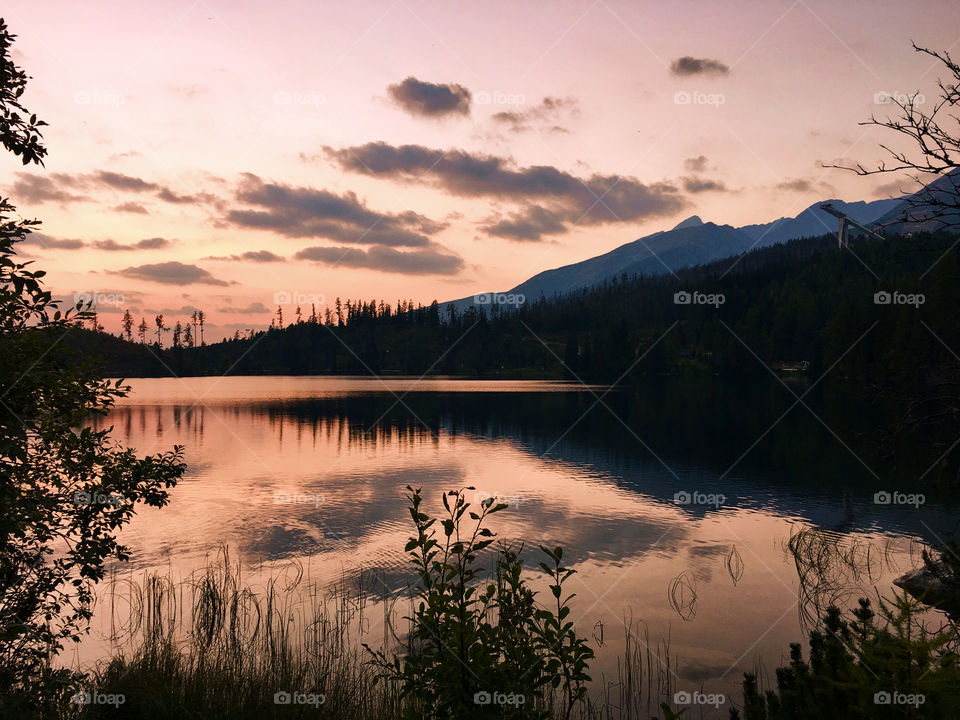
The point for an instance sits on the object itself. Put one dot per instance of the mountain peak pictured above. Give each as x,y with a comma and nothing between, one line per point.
692,221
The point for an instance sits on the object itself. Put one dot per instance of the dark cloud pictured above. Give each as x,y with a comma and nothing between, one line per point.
698,185
532,223
589,200
430,99
687,66
156,243
308,212
119,181
171,273
51,243
428,261
256,307
259,256
896,189
45,188
63,187
542,117
131,207
168,195
182,310
798,185
803,185
696,164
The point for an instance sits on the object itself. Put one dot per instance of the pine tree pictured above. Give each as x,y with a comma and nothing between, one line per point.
127,324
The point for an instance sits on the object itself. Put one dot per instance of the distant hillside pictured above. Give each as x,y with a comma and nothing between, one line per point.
799,301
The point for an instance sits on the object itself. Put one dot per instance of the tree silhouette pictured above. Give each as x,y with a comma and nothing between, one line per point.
19,130
161,327
127,324
935,137
66,489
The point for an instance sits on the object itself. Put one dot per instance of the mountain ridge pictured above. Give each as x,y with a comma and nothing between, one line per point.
690,242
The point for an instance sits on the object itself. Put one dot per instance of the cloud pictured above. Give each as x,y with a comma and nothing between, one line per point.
803,185
51,243
168,195
127,154
428,261
696,164
896,189
431,100
698,185
44,188
308,212
120,181
543,116
156,243
256,307
798,185
63,187
532,223
171,273
591,200
259,256
182,310
687,66
131,207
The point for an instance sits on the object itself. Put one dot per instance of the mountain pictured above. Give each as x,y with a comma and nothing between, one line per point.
694,242
813,221
913,213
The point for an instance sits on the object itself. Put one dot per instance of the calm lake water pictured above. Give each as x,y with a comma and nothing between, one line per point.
312,471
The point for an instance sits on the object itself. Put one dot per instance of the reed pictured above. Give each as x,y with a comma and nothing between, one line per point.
215,645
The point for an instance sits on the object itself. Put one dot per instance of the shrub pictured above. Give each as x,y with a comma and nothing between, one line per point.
484,647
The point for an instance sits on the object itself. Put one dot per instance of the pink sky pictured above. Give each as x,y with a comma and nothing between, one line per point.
214,129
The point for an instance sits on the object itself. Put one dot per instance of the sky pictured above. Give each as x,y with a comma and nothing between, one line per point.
233,156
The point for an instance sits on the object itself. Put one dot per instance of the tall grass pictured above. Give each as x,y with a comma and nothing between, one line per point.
212,646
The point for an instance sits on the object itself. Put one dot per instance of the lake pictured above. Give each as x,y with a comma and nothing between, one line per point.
675,504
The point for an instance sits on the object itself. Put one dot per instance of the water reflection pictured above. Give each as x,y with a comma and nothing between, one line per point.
314,470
